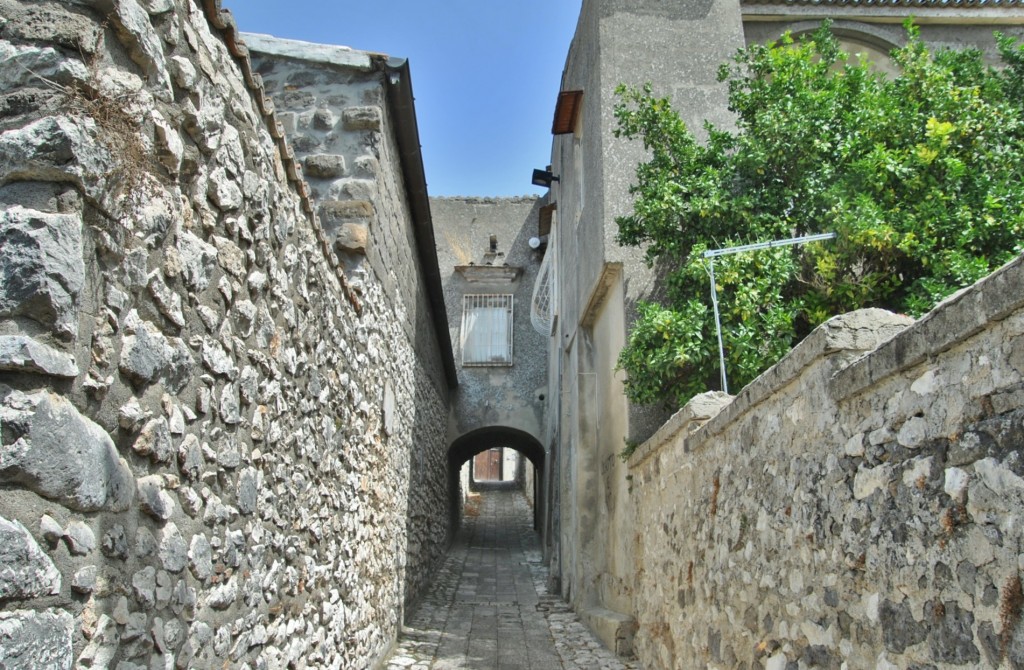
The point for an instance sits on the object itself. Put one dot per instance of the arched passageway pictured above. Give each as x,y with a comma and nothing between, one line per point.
474,442
489,605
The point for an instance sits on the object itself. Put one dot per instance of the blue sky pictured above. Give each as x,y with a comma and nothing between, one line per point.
485,74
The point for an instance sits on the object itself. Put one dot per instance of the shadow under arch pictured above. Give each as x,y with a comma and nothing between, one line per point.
476,441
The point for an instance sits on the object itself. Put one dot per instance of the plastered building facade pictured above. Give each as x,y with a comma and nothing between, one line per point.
677,47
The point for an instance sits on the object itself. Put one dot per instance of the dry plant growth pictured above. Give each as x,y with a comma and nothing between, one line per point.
472,507
1011,603
136,174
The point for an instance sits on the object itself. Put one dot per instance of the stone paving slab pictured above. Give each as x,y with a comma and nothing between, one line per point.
489,609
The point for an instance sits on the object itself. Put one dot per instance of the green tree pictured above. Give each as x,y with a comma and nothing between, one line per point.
920,176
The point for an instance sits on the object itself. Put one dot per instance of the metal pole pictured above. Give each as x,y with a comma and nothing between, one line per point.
711,254
718,327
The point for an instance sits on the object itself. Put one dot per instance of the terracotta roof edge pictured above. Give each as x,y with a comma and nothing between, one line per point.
223,22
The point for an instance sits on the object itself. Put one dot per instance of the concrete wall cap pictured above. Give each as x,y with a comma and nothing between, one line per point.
308,51
859,331
698,410
952,321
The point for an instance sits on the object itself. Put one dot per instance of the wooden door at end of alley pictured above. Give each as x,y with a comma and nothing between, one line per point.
487,466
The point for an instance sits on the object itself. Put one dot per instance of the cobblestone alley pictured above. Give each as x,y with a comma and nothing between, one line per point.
489,607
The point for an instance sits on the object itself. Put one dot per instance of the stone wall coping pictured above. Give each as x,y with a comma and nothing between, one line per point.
698,410
308,51
849,334
895,343
488,199
949,323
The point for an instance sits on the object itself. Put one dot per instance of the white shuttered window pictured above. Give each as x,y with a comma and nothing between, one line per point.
487,329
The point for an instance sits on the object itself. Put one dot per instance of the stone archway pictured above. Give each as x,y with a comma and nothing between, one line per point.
476,441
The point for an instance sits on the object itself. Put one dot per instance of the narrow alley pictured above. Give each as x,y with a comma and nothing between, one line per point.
489,606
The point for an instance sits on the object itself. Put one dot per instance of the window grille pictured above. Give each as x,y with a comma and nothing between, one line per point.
487,329
541,307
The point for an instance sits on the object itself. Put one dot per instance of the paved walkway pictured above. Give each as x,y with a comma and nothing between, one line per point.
488,607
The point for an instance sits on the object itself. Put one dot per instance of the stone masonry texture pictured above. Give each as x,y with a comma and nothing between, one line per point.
846,510
198,464
367,222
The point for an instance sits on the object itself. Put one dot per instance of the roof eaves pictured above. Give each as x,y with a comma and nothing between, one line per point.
398,84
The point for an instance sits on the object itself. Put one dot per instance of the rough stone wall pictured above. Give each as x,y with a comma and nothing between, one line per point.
332,104
208,433
846,511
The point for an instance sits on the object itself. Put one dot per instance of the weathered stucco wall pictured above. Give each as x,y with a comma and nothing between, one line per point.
677,47
844,511
882,28
493,396
208,430
500,405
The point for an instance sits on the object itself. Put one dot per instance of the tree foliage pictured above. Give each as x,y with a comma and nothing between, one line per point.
920,175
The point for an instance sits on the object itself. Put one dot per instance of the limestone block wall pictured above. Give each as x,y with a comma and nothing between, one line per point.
208,430
846,511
